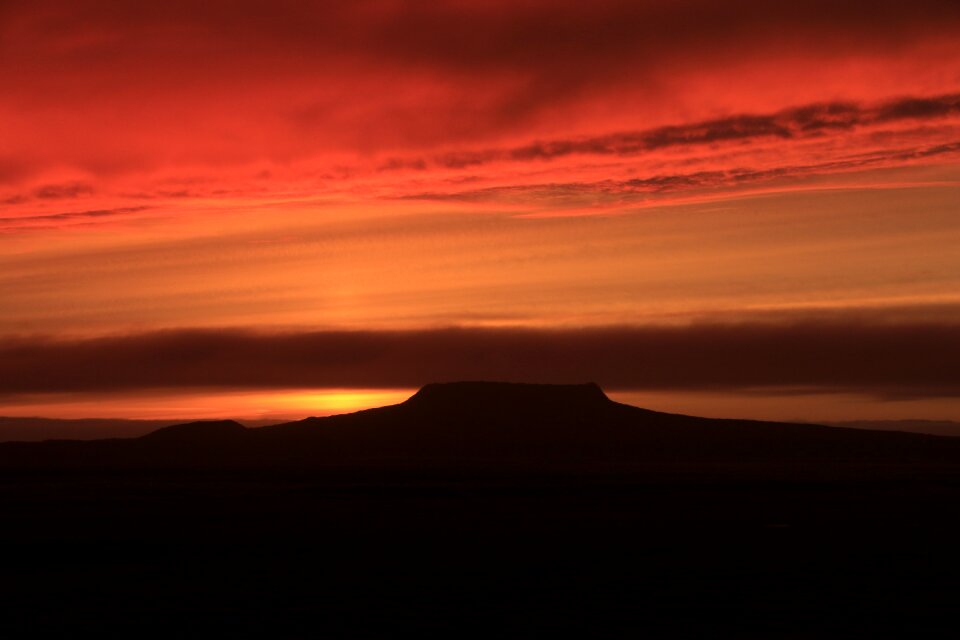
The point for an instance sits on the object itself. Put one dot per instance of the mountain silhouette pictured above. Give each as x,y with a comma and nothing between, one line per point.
498,426
479,507
32,429
197,432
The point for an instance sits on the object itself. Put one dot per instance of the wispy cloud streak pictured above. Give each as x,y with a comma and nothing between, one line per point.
56,220
795,123
622,191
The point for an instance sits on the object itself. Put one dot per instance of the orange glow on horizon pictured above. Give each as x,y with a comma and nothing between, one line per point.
278,405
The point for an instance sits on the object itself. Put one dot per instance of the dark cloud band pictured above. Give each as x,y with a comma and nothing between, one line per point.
885,360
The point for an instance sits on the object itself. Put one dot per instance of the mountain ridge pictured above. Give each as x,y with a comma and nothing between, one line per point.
490,426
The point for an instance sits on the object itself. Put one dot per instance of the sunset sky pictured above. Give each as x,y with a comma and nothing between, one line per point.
248,209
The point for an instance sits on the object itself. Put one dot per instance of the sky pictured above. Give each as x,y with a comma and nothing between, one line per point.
282,209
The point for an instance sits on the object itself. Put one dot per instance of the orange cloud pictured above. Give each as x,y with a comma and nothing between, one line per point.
385,165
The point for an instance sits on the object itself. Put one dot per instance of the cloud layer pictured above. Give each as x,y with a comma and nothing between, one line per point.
807,121
106,102
884,360
388,165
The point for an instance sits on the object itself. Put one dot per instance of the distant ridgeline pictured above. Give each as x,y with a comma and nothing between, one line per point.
491,427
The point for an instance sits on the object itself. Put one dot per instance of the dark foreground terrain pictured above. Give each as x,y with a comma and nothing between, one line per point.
758,530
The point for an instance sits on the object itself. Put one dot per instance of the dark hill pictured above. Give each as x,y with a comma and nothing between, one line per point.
207,431
30,429
487,426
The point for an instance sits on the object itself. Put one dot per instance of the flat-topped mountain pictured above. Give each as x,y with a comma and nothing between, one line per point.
507,396
490,426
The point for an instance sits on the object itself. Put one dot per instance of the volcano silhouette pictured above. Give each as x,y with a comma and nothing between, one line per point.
492,425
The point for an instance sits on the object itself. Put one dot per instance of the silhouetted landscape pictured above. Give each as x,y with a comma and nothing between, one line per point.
34,429
708,248
476,508
489,428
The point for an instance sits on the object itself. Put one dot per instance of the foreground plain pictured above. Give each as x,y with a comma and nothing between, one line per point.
728,541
